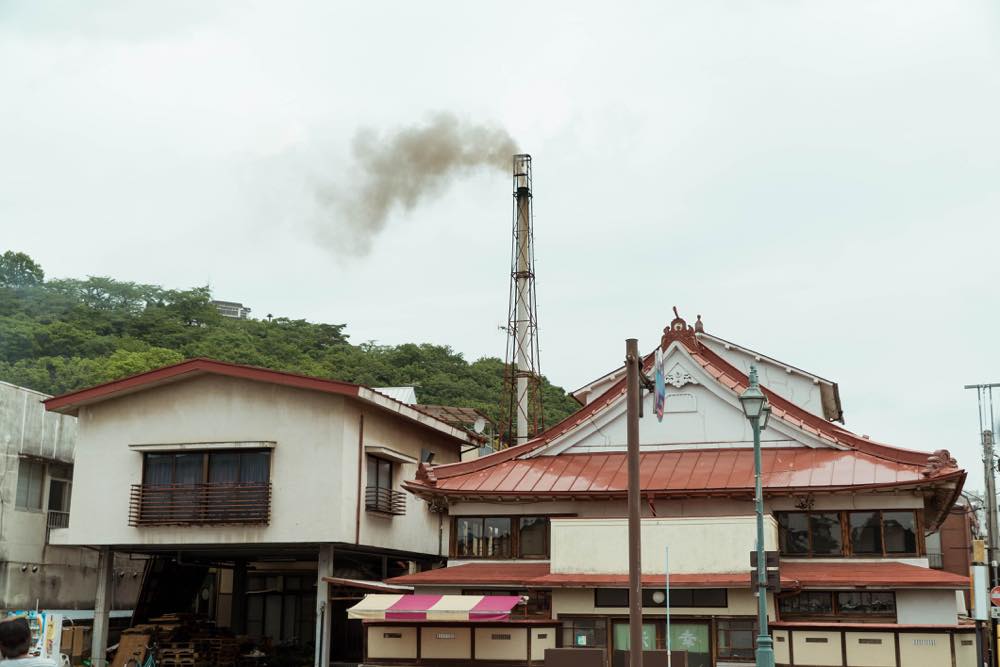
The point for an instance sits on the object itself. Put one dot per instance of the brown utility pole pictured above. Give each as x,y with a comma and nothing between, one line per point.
632,397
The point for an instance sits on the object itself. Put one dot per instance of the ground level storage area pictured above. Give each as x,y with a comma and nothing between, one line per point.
510,642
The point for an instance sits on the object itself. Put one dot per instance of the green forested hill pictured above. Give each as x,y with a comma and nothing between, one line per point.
61,335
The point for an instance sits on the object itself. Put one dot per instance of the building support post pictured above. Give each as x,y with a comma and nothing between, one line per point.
238,603
632,366
324,568
102,606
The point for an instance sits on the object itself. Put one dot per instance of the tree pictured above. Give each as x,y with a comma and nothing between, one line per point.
19,270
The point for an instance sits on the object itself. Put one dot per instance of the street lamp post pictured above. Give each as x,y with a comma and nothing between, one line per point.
757,410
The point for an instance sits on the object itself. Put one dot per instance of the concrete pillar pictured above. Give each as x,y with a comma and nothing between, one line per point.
238,600
324,569
102,607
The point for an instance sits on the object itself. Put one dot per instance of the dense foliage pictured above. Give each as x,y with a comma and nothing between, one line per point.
61,335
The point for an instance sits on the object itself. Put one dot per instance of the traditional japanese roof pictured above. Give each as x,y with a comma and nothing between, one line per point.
831,458
794,574
72,402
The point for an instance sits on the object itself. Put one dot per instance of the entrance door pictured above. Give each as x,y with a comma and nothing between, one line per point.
620,642
346,634
693,637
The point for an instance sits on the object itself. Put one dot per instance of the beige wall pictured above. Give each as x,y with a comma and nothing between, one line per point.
870,655
314,467
923,649
541,639
456,643
515,648
817,653
780,646
380,647
965,650
926,607
700,544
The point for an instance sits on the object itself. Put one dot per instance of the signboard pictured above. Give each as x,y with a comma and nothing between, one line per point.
980,592
995,595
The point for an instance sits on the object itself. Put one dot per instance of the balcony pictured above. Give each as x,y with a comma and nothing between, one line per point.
200,504
386,501
57,519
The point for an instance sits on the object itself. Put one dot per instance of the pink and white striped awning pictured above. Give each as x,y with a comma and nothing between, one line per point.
378,607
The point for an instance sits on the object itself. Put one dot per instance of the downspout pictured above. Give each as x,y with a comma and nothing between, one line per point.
361,462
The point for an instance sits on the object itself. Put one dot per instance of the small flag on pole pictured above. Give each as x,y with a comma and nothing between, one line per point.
661,385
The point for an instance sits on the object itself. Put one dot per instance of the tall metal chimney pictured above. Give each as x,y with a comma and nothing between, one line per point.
522,386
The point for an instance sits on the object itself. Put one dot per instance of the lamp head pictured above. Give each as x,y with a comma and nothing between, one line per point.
753,398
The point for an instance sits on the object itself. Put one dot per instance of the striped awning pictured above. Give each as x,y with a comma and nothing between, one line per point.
377,607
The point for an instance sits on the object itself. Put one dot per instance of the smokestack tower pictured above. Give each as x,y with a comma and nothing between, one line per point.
522,380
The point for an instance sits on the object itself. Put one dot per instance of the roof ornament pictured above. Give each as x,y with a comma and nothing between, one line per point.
698,326
938,461
425,474
680,330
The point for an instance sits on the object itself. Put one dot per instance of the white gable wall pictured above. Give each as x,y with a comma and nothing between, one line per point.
700,414
791,384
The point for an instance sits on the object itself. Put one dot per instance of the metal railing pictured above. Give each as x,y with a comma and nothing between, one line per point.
200,504
935,561
57,519
387,501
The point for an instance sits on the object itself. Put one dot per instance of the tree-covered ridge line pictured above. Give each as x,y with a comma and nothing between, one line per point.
61,335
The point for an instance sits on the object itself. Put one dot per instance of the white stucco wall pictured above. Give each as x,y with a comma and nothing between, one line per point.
698,544
314,464
930,607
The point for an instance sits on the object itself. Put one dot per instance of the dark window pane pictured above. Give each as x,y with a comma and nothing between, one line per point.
468,536
189,468
708,597
534,536
610,597
384,474
224,467
496,537
900,532
862,602
255,466
584,632
825,528
813,602
736,638
372,479
159,469
681,597
866,533
793,530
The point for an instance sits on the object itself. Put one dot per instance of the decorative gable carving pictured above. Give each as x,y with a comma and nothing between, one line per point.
678,376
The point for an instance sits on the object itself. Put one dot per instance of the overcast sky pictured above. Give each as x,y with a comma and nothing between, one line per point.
819,180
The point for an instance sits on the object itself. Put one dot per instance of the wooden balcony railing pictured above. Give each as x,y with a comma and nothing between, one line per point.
387,501
200,504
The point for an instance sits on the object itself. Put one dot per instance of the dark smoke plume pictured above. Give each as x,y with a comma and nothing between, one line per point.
400,169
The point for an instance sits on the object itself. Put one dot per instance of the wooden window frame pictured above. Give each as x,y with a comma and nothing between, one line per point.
836,611
846,545
515,536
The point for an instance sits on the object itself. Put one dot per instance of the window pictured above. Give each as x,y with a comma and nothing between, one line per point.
500,537
736,638
58,504
585,633
539,603
534,537
281,606
30,478
867,533
225,486
841,603
655,597
379,472
810,533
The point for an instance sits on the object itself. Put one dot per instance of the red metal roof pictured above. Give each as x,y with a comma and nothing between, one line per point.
698,471
70,403
794,574
864,463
